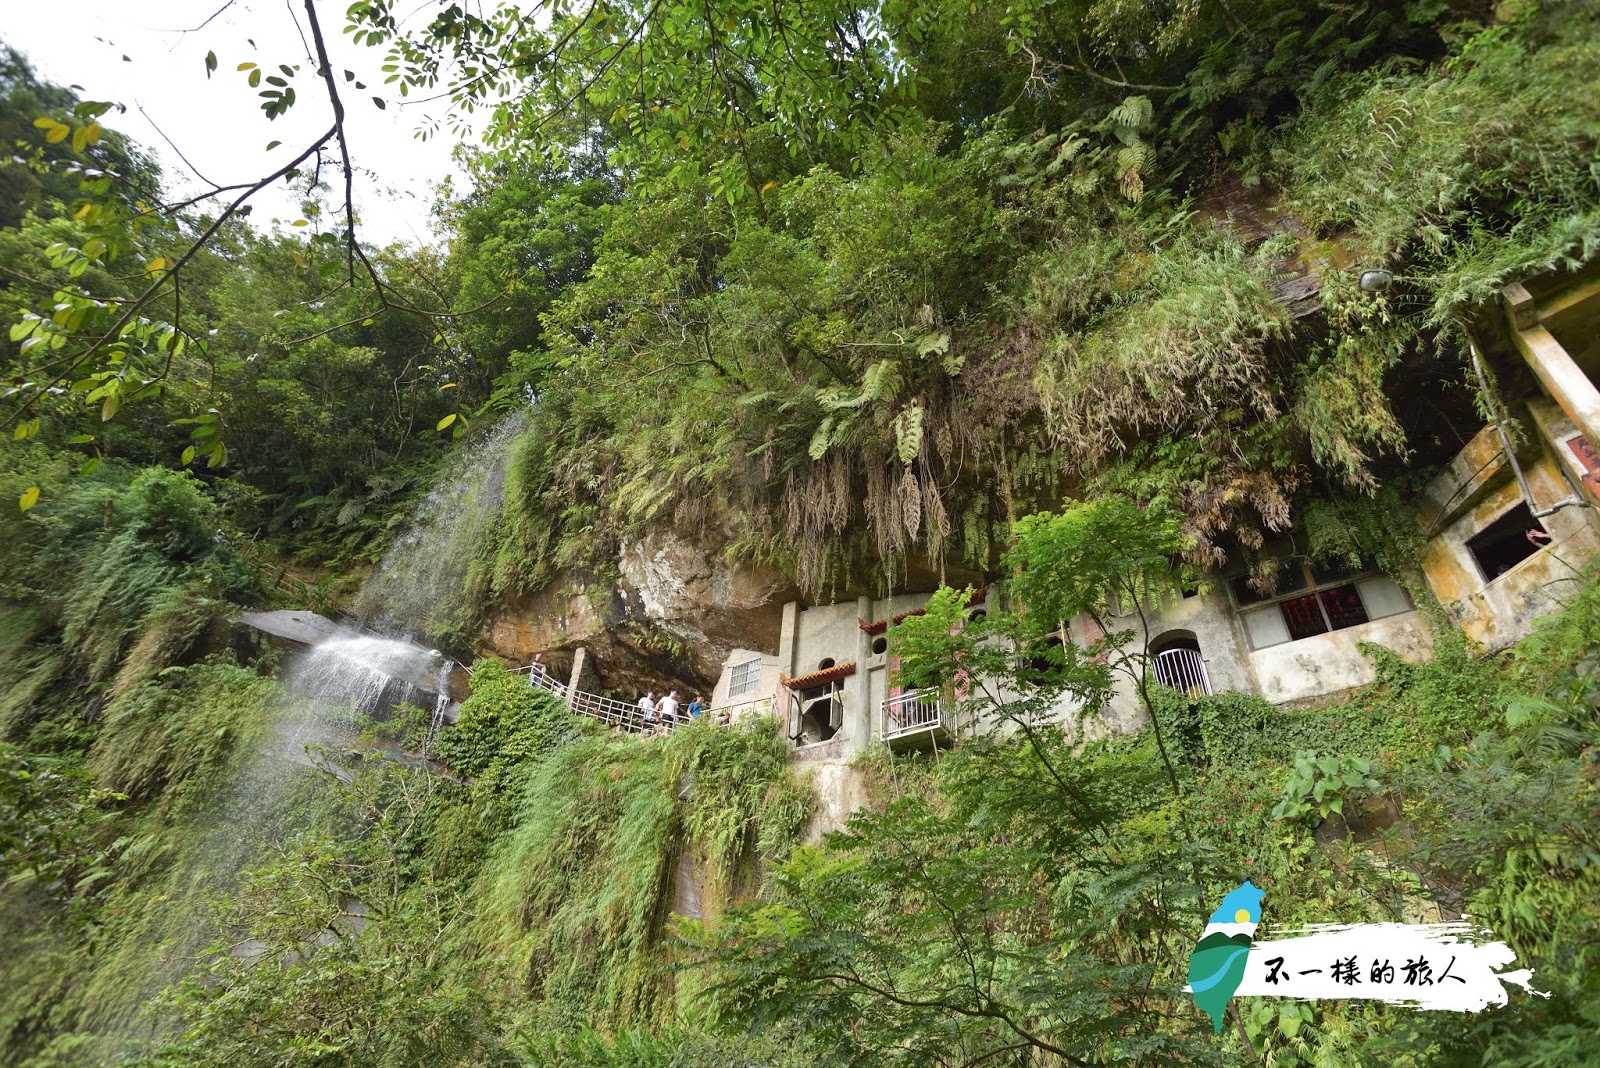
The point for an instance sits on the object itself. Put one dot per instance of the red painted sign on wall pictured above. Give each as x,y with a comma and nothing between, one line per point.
1589,459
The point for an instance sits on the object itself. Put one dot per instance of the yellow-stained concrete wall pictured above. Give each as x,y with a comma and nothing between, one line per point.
1495,613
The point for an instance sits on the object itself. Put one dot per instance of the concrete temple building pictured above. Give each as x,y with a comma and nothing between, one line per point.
1508,523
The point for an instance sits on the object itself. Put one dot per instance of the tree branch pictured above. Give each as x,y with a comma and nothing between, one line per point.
135,306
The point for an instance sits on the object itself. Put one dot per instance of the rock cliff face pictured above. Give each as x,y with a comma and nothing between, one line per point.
669,617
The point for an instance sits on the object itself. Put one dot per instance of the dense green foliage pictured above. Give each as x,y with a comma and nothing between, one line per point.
1035,894
856,366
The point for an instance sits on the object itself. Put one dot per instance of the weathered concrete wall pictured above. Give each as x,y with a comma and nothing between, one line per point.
841,788
1292,671
768,687
1496,613
830,633
1206,617
1298,670
1328,663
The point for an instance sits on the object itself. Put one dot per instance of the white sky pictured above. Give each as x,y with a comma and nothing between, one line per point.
218,124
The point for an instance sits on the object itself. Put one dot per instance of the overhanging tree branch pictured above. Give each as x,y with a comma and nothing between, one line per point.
133,307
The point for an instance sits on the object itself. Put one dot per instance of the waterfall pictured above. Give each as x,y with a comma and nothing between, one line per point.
328,691
441,702
421,586
362,671
419,589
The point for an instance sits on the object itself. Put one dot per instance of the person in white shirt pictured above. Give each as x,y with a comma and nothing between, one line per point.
669,711
647,711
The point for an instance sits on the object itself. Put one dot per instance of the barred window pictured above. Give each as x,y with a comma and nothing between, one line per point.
746,678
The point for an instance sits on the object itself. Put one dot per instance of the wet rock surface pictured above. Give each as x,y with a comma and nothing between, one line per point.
290,629
669,617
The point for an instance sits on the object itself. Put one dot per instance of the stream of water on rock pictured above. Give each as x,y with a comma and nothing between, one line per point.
419,589
329,689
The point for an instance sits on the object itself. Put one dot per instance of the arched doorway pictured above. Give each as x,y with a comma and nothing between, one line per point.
1176,661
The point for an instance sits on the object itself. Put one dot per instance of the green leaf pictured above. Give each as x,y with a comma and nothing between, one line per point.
908,433
446,421
80,439
211,63
188,455
89,466
819,440
29,498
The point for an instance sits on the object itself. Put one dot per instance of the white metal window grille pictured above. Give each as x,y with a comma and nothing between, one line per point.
746,678
912,711
1183,670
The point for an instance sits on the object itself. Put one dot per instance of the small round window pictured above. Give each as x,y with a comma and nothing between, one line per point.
978,616
825,663
880,646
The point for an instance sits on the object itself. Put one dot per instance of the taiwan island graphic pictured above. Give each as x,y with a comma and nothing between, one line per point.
1216,967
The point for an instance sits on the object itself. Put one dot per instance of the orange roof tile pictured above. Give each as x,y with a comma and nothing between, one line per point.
819,678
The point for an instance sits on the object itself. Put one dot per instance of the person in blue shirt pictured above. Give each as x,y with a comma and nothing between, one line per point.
695,707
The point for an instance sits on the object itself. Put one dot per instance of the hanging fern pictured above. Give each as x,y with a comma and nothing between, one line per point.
908,433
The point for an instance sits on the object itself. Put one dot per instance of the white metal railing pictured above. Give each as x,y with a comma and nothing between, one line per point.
911,712
1183,670
630,717
755,706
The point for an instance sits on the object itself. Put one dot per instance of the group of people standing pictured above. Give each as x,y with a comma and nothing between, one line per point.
659,715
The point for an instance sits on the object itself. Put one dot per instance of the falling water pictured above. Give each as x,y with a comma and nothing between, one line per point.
328,692
441,702
421,586
418,589
362,671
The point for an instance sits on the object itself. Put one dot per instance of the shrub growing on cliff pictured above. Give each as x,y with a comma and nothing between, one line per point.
505,722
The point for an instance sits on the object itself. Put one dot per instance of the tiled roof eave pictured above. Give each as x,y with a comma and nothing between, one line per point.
820,678
880,625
